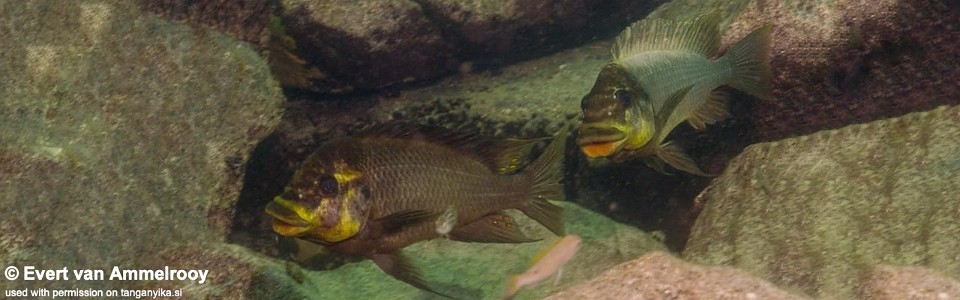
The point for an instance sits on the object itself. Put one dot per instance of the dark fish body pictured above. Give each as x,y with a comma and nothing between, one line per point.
373,195
409,175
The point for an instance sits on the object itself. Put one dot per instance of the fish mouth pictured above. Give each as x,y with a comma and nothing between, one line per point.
600,141
289,218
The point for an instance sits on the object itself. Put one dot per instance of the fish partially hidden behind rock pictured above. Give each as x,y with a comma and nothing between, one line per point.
373,195
661,75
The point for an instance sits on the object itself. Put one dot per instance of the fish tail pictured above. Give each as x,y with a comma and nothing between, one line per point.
751,63
513,285
547,171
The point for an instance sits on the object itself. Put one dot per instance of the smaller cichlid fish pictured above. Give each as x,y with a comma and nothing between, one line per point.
550,261
663,74
371,196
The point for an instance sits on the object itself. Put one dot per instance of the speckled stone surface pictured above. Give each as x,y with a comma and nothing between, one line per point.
245,20
819,211
123,135
367,45
659,275
899,282
830,55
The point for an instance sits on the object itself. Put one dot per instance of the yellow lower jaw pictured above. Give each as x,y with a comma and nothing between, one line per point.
343,230
290,219
288,230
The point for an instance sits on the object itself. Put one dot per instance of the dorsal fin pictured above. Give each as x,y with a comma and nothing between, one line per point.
700,35
501,156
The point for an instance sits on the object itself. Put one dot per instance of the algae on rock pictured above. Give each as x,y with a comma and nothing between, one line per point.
819,212
123,135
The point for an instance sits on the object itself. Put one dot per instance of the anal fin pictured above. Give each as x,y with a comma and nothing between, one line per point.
547,214
492,228
399,267
712,110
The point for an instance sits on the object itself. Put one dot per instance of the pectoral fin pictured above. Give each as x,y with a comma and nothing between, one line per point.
398,220
668,109
493,228
656,164
399,267
674,156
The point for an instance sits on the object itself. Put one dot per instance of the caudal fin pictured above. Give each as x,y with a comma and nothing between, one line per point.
751,63
547,171
513,285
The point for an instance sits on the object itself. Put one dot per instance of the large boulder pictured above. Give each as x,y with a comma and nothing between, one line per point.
368,44
124,136
659,275
379,44
245,20
829,56
819,212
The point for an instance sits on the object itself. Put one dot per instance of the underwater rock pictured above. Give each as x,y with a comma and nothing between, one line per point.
245,20
507,31
124,135
829,56
375,45
368,44
818,212
659,275
896,282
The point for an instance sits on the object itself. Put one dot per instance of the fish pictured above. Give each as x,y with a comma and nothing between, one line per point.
548,262
372,195
662,73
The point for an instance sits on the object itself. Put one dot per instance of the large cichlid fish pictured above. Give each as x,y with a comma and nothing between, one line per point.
373,195
662,74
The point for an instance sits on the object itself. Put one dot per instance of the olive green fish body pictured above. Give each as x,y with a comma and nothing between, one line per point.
662,74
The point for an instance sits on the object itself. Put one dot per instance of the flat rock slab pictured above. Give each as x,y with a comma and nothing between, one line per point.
818,212
659,275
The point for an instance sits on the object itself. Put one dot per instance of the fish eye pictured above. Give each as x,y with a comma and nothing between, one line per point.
623,96
365,190
328,186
